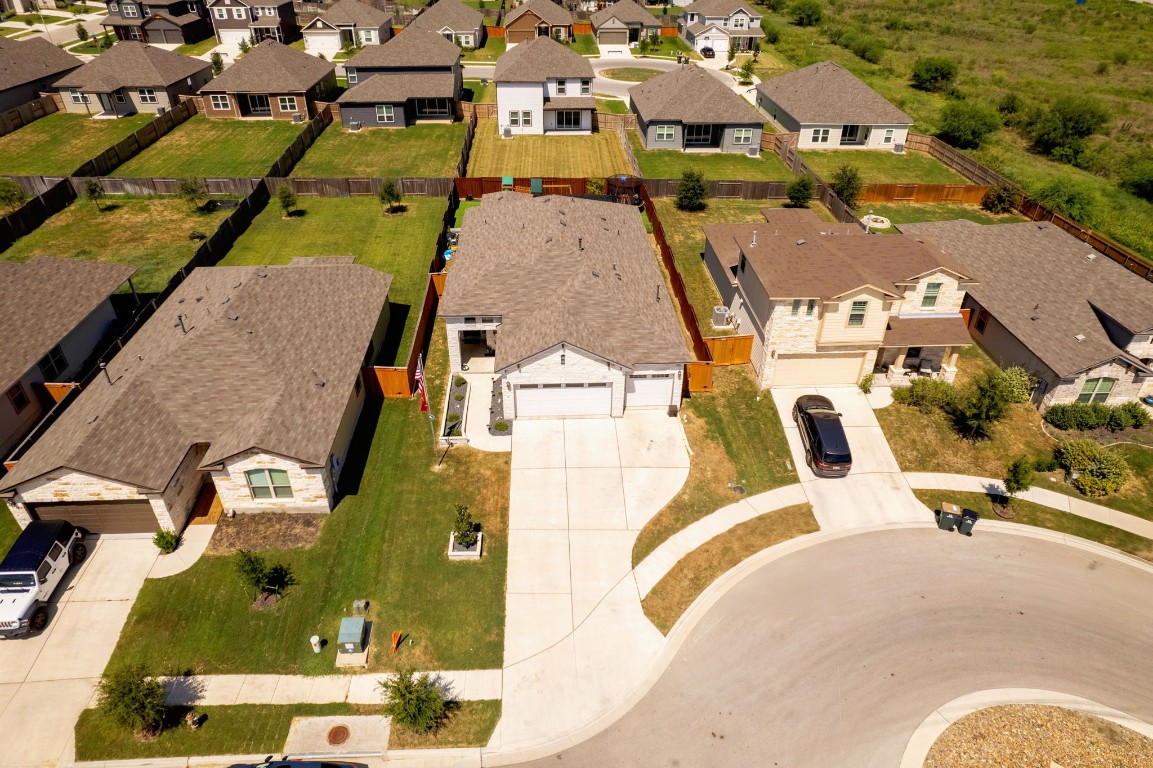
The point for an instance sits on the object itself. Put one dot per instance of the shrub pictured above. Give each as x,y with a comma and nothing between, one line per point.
245,47
133,699
1139,180
166,541
772,33
458,397
94,191
985,402
1138,413
1046,464
501,426
11,195
800,191
459,381
1099,471
261,577
1000,198
965,124
452,418
933,73
927,395
807,13
464,527
866,383
596,186
217,64
414,702
192,191
1067,196
81,33
1018,476
389,195
864,46
1018,383
1061,130
773,5
692,193
287,198
847,184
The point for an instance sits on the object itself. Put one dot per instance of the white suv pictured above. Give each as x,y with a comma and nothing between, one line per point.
31,571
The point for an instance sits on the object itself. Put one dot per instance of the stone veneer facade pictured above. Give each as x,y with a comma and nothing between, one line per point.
579,367
312,488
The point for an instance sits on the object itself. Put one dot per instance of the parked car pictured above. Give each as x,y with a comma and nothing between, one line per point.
31,571
708,53
826,445
291,763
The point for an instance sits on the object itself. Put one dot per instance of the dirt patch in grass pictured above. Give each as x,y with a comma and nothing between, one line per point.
469,724
696,571
266,530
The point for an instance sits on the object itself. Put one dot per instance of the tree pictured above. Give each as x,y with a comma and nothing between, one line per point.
933,73
800,191
807,13
1018,476
94,192
981,406
252,570
192,191
464,527
414,702
133,698
1000,198
244,47
81,33
287,198
217,63
965,124
1061,130
11,195
644,46
692,193
1139,180
732,54
847,184
747,71
1069,197
390,196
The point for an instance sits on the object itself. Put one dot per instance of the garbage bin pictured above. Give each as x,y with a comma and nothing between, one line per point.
949,517
969,518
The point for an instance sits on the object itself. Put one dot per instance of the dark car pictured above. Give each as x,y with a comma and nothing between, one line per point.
826,446
294,763
708,53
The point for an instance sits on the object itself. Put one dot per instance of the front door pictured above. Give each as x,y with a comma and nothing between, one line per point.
258,104
105,102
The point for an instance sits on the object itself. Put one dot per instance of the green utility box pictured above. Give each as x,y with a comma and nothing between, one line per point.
351,638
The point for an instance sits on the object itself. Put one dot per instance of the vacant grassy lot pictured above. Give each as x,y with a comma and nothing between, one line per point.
470,724
880,167
420,150
596,155
908,213
202,147
58,144
737,439
150,233
696,571
494,48
630,74
721,166
400,244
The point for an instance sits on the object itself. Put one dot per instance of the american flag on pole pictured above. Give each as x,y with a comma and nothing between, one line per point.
420,386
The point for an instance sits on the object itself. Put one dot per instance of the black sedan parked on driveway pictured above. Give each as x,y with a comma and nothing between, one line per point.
826,446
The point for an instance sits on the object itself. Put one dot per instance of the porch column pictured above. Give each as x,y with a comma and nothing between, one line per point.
952,357
900,362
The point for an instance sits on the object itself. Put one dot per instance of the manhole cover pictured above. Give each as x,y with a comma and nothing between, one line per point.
739,490
338,734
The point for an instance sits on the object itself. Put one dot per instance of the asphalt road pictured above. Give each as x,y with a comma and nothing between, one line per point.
833,656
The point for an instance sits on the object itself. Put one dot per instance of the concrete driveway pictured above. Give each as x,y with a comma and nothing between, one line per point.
48,679
875,490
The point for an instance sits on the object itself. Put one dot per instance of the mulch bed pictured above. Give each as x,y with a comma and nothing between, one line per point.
265,530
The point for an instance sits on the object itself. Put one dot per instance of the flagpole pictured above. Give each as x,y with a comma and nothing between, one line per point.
422,389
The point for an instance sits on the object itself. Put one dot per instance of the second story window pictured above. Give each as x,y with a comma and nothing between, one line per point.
932,290
113,7
129,11
220,13
238,13
586,87
739,22
857,313
17,397
561,87
350,73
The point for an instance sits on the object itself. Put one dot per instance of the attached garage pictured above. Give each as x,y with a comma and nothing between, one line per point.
233,36
101,516
613,36
649,390
555,400
817,370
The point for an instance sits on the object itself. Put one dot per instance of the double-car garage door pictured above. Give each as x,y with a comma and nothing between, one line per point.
536,400
101,516
815,370
613,37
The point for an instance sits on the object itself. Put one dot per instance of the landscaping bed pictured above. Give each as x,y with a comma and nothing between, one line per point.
226,148
558,155
883,166
58,144
719,166
428,149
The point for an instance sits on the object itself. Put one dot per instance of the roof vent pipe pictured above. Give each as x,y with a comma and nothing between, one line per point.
754,238
180,322
107,375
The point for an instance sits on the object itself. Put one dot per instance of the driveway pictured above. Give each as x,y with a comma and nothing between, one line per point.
576,640
47,680
875,490
832,656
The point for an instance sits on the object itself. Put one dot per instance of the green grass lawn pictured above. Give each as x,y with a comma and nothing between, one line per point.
494,48
469,724
882,167
126,232
198,49
400,244
669,47
612,106
202,147
37,18
585,45
669,164
595,155
461,208
908,213
88,48
672,11
480,94
630,74
420,150
9,530
58,144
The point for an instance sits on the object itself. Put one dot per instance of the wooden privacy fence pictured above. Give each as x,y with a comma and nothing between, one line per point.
35,212
399,381
608,121
475,186
287,161
730,350
970,194
352,187
733,190
582,28
116,185
26,113
493,31
466,148
125,149
482,110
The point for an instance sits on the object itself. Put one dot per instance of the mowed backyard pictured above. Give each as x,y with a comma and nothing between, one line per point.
597,155
908,213
719,166
58,144
400,244
429,150
150,233
222,148
883,167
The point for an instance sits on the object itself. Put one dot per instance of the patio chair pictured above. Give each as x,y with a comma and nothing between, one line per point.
536,186
505,183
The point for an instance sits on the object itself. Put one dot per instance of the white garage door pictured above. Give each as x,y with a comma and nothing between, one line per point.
233,36
653,389
814,370
563,400
327,43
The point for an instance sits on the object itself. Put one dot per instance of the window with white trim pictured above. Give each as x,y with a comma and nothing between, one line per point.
269,484
18,397
350,74
514,119
932,291
888,136
220,13
561,87
77,97
114,7
666,132
739,22
147,95
1096,390
742,136
287,103
368,36
466,41
857,313
586,87
820,135
220,101
129,11
238,13
385,113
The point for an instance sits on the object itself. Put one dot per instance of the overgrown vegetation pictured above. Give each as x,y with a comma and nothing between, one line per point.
133,699
414,702
1083,417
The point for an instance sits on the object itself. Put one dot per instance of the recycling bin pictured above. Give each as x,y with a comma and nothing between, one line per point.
949,517
969,518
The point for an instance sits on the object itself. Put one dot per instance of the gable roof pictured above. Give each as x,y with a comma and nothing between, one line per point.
564,270
546,10
828,93
394,88
356,13
32,61
448,13
627,11
265,358
131,64
1041,284
691,94
55,295
538,60
720,7
410,48
271,67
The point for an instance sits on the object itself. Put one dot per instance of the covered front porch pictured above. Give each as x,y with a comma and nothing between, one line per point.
921,347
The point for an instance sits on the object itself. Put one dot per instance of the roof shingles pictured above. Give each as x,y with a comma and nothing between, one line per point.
131,64
538,60
271,67
828,93
691,95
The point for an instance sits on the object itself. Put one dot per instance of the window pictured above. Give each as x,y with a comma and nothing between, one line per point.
820,135
433,107
42,571
119,96
568,119
220,101
129,11
53,363
586,87
982,321
368,36
351,75
220,13
857,313
888,136
238,13
268,483
147,95
743,136
466,41
385,113
77,96
18,397
1096,390
526,119
145,10
810,308
796,308
739,22
56,551
561,87
287,103
558,33
932,290
113,7
514,119
666,132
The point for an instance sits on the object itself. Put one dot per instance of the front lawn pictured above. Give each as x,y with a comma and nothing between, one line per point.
198,49
37,18
720,166
883,167
150,233
908,213
737,438
669,47
221,148
58,144
596,155
470,724
420,150
630,74
585,45
400,244
494,48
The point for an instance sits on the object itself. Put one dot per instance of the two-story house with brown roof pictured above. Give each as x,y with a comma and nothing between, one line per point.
722,25
690,110
272,81
253,21
158,21
131,78
349,23
543,86
537,18
454,21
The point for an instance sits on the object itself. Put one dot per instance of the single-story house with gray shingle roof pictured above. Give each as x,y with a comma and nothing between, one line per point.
832,109
543,86
691,110
246,378
349,22
563,298
1080,323
415,76
270,81
537,18
132,77
29,67
454,21
624,22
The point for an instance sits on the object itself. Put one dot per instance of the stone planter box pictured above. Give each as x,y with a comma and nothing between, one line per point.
454,413
455,553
